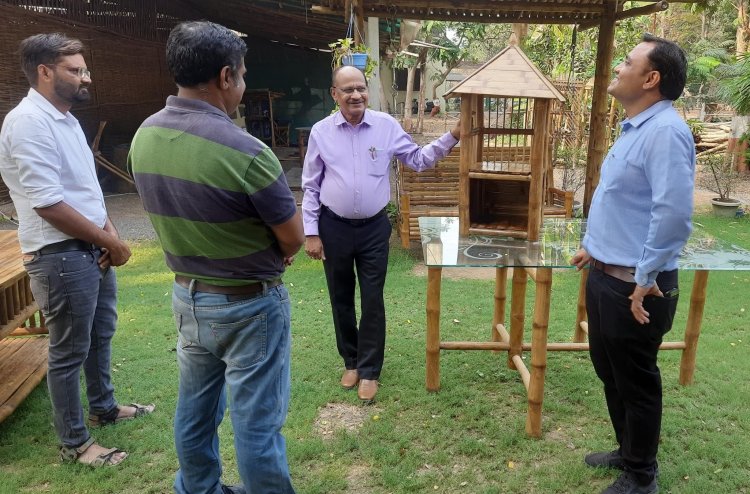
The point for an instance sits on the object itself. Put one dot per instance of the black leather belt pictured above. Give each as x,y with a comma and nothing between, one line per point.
350,221
623,273
66,246
252,289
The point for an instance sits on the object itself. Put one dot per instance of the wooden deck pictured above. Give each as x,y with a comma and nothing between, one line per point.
23,359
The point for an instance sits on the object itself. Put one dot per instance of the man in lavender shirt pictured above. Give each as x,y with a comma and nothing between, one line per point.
346,188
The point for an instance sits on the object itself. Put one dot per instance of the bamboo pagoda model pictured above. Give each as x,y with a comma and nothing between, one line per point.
505,145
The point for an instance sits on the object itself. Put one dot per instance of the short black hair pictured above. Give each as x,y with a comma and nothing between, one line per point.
41,49
198,50
670,61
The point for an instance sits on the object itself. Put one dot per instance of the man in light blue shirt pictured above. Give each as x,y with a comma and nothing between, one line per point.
638,223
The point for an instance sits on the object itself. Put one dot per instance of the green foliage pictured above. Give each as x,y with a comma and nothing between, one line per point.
734,84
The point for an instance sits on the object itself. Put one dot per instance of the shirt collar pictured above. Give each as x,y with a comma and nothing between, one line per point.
338,118
44,104
646,114
195,105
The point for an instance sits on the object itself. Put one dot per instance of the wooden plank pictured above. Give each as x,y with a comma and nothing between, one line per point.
18,320
23,365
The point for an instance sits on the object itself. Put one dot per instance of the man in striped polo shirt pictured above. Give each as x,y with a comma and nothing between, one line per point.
228,225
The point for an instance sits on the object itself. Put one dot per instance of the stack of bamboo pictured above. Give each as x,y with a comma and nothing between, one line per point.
714,137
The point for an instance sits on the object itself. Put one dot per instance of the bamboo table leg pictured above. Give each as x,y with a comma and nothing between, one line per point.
693,328
501,279
539,351
517,314
433,328
579,335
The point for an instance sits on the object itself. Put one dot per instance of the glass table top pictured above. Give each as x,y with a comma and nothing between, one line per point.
559,239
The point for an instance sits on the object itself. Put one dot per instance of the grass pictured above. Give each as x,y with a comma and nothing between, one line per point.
469,437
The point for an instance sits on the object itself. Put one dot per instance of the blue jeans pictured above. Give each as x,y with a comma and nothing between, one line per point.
79,304
243,347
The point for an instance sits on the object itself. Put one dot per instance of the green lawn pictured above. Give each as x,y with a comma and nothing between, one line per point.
469,437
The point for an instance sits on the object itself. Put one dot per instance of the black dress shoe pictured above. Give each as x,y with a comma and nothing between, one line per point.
627,484
605,459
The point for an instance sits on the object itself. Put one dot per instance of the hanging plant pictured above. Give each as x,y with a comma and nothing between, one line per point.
346,52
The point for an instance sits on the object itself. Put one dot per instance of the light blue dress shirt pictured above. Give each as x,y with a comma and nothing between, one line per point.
640,214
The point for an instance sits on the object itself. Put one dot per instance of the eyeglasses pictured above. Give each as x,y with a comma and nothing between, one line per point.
350,90
81,72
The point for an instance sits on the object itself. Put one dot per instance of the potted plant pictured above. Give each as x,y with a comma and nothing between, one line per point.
720,176
346,52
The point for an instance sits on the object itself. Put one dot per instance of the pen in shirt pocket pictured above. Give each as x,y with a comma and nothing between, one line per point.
374,152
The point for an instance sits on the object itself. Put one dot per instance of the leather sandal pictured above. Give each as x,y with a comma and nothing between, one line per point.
112,417
104,459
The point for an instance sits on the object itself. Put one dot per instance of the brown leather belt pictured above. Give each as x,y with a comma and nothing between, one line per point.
623,273
252,289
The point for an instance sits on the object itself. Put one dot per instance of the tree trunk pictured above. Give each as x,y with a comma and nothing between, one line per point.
421,63
409,95
743,27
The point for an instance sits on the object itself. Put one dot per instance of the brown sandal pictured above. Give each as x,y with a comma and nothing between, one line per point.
111,417
105,459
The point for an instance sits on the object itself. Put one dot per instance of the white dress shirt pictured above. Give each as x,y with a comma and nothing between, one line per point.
44,160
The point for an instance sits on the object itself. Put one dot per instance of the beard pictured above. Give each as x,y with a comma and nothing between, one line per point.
71,93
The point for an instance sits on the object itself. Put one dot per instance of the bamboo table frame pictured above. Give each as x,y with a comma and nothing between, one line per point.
560,238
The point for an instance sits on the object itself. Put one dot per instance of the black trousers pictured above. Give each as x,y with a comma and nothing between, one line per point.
363,247
624,355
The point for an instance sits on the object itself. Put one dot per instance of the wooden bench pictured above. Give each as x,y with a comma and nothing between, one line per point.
23,359
559,203
432,192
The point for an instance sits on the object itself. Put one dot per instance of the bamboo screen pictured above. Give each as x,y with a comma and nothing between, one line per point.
507,134
129,76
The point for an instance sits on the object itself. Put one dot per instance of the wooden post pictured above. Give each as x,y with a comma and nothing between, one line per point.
466,156
501,281
359,11
598,137
539,351
433,328
693,327
517,314
579,335
538,152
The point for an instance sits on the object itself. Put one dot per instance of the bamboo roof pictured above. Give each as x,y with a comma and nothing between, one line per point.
316,23
510,73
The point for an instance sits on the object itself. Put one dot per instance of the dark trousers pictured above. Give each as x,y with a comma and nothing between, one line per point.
364,247
624,355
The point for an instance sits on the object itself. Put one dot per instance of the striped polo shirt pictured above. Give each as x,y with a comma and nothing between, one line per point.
211,190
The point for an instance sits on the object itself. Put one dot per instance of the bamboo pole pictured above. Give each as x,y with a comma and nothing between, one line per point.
434,275
498,318
539,351
693,328
521,368
551,347
584,327
598,138
579,334
467,110
538,150
517,314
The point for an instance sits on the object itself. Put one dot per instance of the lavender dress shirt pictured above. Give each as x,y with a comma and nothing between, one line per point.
346,166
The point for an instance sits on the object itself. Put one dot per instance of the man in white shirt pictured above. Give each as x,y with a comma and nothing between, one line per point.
68,241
